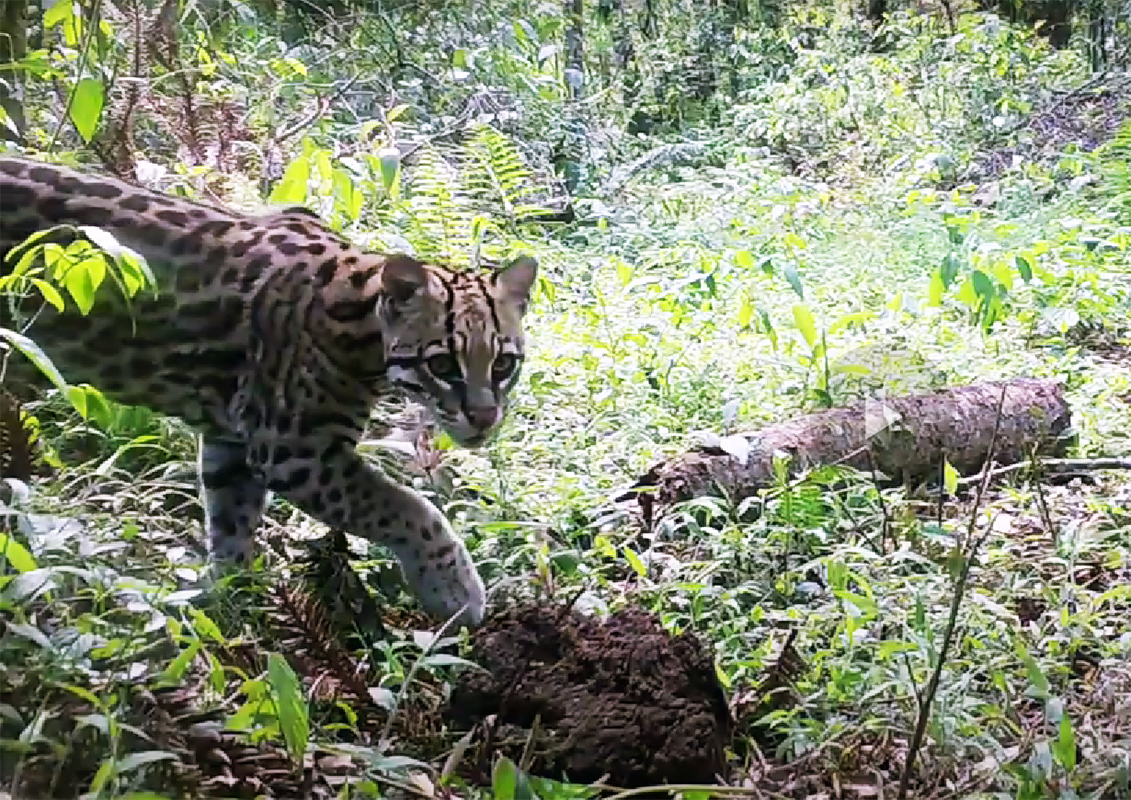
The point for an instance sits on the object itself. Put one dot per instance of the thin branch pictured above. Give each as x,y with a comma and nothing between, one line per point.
1054,465
321,107
88,39
973,544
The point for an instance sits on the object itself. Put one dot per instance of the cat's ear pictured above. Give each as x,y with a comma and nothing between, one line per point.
403,277
516,280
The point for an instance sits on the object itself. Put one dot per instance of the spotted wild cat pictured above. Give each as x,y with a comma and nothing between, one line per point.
274,336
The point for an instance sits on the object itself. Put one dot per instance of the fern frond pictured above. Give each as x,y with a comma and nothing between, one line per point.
498,170
441,215
1115,167
462,195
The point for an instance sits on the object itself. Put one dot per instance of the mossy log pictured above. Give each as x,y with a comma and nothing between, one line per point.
902,438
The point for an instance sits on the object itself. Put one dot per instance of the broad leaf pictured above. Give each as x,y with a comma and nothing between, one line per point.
294,719
86,107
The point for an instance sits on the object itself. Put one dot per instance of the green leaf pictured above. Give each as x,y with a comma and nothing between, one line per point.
955,561
86,107
204,626
745,311
390,160
1024,267
866,605
294,719
803,318
179,665
950,478
293,187
80,283
101,777
504,779
966,293
1037,678
744,259
61,11
76,396
525,32
349,199
1064,748
794,279
983,285
951,263
49,292
98,407
84,694
135,272
16,554
395,112
935,292
134,760
132,265
30,632
35,355
792,240
635,562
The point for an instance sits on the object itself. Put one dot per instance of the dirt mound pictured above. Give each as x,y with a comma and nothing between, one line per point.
623,697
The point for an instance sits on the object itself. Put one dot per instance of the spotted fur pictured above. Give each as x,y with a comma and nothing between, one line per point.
274,337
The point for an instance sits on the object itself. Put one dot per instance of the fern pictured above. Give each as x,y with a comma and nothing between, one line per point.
464,197
1115,167
440,212
499,174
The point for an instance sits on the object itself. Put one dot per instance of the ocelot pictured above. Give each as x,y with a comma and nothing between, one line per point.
273,336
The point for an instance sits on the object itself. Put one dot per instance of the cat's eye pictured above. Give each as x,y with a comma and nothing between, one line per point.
504,365
444,367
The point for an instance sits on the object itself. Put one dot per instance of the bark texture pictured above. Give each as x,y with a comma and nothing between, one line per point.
904,438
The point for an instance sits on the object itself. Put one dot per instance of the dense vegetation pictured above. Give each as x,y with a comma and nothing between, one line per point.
744,212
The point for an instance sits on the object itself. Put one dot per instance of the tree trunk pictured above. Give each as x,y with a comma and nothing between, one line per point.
736,14
574,50
1097,35
1053,16
13,47
1058,22
904,438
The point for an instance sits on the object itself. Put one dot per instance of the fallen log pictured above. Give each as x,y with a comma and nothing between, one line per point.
903,438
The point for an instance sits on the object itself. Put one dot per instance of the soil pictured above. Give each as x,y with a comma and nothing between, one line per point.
621,698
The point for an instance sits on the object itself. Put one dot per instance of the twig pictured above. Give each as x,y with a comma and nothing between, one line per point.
88,38
320,108
886,526
456,126
388,731
1056,465
927,698
1046,515
673,788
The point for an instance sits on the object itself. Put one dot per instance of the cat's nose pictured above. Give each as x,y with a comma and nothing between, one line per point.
483,418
